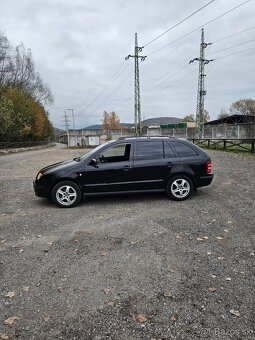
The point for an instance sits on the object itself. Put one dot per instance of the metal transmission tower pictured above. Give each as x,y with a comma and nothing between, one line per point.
66,124
201,93
138,125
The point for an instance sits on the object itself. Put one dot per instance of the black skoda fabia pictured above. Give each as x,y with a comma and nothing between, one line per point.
127,165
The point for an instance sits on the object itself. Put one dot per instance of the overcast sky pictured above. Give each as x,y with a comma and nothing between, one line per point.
79,48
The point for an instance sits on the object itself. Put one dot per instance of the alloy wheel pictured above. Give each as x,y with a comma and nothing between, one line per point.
180,188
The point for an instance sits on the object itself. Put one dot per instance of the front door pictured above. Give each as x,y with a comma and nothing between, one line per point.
112,172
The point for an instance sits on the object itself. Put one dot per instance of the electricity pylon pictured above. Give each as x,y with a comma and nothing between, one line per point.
136,56
201,93
66,124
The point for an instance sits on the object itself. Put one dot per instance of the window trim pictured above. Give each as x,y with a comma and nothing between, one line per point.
173,150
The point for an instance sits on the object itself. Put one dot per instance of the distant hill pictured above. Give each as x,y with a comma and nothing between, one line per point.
147,122
160,121
58,131
99,126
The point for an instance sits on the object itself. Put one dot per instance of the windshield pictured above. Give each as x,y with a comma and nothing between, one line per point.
88,154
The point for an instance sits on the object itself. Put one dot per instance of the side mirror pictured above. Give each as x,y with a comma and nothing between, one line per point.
93,162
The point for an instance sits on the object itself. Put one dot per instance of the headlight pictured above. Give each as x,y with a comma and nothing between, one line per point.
39,175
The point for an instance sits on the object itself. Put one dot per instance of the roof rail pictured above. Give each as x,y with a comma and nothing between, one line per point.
148,137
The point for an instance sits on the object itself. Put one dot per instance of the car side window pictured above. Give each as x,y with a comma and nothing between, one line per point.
115,153
168,151
184,150
149,150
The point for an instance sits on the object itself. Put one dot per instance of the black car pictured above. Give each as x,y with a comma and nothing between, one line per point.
131,164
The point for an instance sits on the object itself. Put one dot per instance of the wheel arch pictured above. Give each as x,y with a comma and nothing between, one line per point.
185,173
65,179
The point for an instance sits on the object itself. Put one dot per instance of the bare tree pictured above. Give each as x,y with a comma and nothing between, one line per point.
6,64
189,118
24,76
223,114
243,107
206,116
17,70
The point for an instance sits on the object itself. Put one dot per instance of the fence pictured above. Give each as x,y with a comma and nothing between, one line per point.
224,144
233,131
227,131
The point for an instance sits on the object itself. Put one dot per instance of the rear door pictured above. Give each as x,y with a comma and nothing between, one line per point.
153,162
191,161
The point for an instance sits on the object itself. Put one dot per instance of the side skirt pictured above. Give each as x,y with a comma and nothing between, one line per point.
123,192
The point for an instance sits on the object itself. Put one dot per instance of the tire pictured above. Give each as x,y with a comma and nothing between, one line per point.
66,194
179,187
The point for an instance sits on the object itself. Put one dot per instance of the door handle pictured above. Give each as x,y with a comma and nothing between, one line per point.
127,168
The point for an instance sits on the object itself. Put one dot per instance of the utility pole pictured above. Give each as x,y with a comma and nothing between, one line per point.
136,56
66,124
201,93
76,140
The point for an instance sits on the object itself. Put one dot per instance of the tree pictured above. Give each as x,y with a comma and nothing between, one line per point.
114,121
17,70
106,121
206,116
110,121
22,95
223,114
189,118
243,107
6,65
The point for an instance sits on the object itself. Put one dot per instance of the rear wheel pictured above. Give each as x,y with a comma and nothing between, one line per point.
66,194
179,187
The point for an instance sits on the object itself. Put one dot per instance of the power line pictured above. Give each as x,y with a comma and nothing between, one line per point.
228,48
163,76
115,75
117,58
169,85
232,35
110,95
173,50
198,28
169,76
229,55
182,65
187,74
179,23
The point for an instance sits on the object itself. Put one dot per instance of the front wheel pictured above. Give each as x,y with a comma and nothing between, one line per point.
179,188
66,194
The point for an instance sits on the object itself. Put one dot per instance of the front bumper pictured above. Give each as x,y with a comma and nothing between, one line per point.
40,190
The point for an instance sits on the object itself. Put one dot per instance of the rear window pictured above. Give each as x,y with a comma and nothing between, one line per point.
149,150
184,150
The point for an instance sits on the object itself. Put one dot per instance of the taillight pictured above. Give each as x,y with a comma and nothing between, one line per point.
208,167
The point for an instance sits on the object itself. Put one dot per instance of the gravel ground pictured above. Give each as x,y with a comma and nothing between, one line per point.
127,267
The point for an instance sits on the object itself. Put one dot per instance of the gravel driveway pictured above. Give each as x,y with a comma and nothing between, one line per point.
127,267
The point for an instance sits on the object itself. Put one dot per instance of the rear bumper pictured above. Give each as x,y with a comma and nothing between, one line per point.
40,191
204,181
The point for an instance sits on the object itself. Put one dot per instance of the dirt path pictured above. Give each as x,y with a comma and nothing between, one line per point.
127,267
